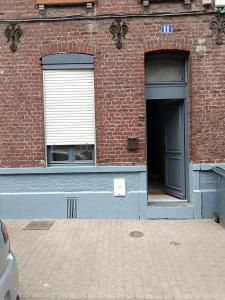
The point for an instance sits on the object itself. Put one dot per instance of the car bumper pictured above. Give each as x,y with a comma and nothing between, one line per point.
9,280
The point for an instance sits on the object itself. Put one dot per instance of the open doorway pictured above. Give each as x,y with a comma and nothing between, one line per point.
155,147
166,150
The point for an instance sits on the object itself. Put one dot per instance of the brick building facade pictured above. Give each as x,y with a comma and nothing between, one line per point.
33,187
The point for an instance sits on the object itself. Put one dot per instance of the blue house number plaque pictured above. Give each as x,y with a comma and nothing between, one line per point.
166,28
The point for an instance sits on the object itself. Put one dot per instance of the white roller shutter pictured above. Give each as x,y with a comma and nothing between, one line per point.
69,107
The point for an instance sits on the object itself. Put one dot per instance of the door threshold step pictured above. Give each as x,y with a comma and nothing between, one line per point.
183,203
164,198
169,210
166,201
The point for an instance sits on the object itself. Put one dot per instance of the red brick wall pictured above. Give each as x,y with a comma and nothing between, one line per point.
119,81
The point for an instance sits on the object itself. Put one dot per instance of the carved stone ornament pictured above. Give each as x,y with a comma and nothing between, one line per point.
13,33
218,27
119,30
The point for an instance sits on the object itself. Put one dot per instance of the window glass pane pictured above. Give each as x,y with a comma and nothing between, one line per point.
84,152
164,71
60,153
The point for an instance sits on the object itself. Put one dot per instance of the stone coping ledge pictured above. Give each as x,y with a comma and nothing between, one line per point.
73,169
207,166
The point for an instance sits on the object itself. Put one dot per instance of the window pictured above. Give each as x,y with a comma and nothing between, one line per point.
166,70
71,154
69,108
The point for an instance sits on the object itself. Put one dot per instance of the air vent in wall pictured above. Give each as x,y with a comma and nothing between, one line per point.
71,207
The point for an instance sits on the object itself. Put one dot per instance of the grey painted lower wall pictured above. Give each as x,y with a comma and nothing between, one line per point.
203,189
45,192
49,192
220,173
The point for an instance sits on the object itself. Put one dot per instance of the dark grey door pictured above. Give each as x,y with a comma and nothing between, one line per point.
174,148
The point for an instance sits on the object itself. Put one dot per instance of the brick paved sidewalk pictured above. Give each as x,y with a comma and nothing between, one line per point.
97,259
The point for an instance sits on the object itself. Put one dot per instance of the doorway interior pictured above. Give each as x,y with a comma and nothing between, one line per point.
166,150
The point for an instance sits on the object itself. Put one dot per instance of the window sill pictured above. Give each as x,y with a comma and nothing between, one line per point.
80,164
63,2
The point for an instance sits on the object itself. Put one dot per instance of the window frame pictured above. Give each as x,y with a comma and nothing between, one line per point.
72,151
167,57
68,61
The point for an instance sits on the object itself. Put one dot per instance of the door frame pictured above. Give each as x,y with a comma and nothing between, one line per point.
171,91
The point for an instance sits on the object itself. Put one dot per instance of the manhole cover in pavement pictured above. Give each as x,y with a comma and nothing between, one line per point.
136,234
175,243
39,225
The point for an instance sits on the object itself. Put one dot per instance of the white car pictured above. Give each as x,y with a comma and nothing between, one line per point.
8,268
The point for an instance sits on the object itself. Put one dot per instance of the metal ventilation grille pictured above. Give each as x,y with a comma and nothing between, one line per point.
71,207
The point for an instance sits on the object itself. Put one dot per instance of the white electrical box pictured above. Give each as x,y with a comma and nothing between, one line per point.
220,3
119,187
